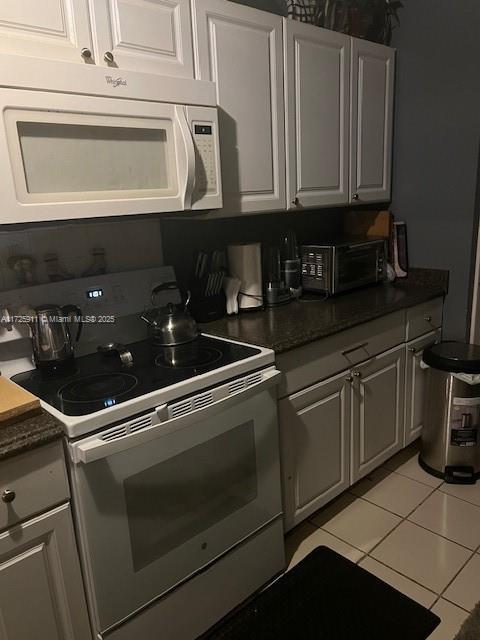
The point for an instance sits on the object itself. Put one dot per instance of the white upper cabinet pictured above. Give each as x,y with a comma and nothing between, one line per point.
240,49
57,29
317,96
372,120
153,36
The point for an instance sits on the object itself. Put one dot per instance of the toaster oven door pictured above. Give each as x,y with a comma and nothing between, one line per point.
357,265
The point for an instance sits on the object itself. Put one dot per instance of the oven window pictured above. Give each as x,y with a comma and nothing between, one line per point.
357,267
175,500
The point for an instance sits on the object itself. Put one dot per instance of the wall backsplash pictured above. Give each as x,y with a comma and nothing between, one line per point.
182,238
129,244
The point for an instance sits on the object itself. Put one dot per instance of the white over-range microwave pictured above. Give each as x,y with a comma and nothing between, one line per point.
66,154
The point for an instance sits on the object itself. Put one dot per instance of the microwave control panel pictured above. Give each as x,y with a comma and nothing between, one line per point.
205,149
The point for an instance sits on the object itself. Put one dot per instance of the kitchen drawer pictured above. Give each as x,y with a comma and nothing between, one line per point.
424,318
323,358
39,480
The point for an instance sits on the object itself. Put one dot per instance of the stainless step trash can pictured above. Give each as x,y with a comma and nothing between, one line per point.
450,445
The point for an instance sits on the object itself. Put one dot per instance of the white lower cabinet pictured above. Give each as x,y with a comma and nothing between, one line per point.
41,590
337,430
415,384
378,402
315,429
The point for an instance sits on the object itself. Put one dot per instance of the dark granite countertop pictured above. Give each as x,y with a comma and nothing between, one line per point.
298,323
30,433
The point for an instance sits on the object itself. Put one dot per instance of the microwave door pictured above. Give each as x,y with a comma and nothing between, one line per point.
72,156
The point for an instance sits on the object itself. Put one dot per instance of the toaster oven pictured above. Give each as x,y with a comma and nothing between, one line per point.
341,266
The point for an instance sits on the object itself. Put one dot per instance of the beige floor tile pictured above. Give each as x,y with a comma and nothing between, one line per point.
452,619
450,517
465,589
392,491
468,492
357,522
306,537
422,556
399,582
407,465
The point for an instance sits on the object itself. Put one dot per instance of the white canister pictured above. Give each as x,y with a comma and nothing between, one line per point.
245,263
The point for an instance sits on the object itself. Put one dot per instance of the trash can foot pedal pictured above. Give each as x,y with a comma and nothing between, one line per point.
460,475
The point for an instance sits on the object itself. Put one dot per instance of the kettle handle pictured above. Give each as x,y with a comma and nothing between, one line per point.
165,286
76,312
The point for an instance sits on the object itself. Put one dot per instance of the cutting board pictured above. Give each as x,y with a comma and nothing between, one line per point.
15,402
369,223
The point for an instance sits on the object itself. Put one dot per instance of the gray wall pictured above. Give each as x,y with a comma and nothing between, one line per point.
437,141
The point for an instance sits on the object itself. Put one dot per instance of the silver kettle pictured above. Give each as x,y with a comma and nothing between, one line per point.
170,325
52,341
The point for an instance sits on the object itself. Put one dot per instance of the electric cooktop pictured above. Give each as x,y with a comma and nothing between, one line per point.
99,380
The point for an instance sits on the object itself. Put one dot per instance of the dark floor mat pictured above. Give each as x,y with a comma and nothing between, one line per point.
327,597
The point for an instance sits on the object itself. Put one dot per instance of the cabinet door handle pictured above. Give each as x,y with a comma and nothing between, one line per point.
357,374
355,197
428,318
86,53
349,379
364,345
8,496
417,353
108,56
296,202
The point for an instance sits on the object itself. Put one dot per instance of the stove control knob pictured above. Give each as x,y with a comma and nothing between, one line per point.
124,354
8,496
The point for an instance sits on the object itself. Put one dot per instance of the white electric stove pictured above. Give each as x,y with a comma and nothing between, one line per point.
174,470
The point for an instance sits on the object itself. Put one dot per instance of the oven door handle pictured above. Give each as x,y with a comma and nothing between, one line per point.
94,448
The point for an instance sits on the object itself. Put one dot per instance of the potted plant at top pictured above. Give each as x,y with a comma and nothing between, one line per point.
369,19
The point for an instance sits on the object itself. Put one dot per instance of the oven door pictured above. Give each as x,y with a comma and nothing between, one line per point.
356,265
158,504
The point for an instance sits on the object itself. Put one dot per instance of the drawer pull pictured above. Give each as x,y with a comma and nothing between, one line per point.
428,318
357,374
8,496
364,345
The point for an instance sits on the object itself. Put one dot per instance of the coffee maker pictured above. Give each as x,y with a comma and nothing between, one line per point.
274,288
291,267
283,273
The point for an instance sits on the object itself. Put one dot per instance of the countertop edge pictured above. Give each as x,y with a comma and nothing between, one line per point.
424,286
25,435
281,348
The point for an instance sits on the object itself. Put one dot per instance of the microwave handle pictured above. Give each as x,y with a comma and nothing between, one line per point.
93,449
186,161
